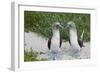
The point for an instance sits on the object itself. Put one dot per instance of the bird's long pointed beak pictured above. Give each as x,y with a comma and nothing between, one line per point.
61,26
67,27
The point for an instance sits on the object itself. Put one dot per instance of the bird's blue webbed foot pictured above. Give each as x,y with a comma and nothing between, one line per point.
55,55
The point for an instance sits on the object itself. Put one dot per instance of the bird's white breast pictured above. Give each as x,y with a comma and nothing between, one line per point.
73,39
55,41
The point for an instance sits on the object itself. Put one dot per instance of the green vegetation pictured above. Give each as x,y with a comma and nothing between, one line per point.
41,22
32,56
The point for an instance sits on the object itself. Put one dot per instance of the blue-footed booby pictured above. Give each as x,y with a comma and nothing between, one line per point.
54,43
75,47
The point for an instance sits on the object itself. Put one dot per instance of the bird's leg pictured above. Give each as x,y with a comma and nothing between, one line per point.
52,55
31,51
55,55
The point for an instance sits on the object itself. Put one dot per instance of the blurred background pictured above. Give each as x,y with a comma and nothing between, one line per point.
41,23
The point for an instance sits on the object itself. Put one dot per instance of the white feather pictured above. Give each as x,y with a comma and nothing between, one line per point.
73,39
55,41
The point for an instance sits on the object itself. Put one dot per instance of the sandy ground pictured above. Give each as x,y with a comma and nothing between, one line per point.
38,43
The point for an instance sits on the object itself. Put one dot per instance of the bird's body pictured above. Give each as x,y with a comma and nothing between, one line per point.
80,40
54,43
74,37
75,48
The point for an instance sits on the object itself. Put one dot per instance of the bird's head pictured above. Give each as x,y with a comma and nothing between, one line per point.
56,26
71,25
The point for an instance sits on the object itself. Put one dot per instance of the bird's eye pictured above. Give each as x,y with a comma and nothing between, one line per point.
57,26
70,25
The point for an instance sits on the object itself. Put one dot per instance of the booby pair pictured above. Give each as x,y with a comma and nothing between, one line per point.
54,43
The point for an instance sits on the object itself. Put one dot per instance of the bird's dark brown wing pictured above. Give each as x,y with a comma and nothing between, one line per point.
69,41
49,43
80,42
60,42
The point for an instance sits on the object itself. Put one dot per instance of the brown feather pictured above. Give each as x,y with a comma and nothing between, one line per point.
49,43
80,42
60,43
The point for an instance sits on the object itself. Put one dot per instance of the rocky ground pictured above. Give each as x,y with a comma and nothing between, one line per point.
37,43
84,53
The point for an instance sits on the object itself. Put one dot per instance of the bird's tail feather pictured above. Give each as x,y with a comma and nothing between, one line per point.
82,35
